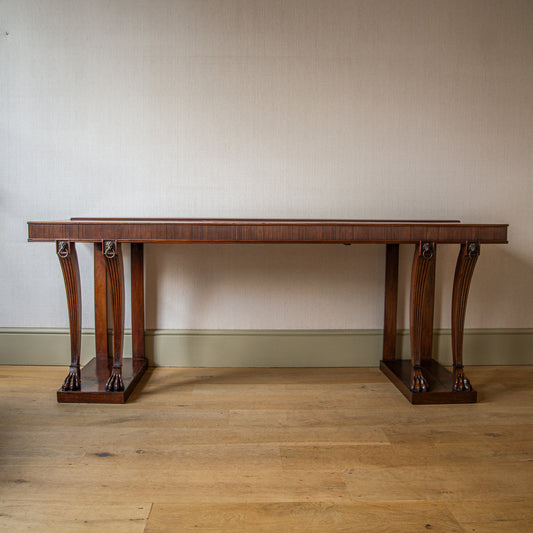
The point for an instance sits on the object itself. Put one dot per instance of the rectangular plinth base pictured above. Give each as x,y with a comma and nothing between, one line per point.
439,378
94,376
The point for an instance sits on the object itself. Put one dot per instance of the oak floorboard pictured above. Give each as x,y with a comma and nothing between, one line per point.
304,517
349,456
51,517
500,510
502,526
423,482
215,449
114,482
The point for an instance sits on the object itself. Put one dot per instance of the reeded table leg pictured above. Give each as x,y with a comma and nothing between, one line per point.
66,252
423,264
466,262
102,379
115,272
423,380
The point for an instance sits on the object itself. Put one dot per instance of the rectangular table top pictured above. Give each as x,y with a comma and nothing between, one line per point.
161,230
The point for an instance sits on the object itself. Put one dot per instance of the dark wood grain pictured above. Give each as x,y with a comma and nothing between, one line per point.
68,259
267,231
422,380
115,273
466,262
100,303
391,301
261,220
439,379
94,377
137,301
423,264
428,310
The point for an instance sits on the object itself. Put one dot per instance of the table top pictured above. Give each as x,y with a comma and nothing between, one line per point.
167,230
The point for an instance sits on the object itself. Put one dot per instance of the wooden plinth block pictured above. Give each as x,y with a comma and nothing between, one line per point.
440,382
94,376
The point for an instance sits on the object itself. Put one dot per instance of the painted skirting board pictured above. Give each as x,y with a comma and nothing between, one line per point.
267,348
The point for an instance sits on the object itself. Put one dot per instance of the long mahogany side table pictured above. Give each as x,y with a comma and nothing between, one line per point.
107,379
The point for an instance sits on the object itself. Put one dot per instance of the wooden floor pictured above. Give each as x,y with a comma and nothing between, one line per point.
284,450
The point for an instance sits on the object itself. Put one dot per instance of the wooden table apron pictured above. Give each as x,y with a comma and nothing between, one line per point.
109,378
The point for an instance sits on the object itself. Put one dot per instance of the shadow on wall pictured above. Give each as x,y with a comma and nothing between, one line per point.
260,287
308,287
315,287
494,293
263,286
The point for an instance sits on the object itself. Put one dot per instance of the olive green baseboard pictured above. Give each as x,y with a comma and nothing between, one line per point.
268,348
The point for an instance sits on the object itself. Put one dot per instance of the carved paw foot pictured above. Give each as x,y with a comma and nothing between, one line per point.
115,383
73,380
418,382
461,382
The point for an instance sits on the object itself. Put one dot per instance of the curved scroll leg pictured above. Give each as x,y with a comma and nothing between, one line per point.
115,271
466,261
68,259
423,265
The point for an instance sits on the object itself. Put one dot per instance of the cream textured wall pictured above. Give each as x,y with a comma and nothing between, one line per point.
265,108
